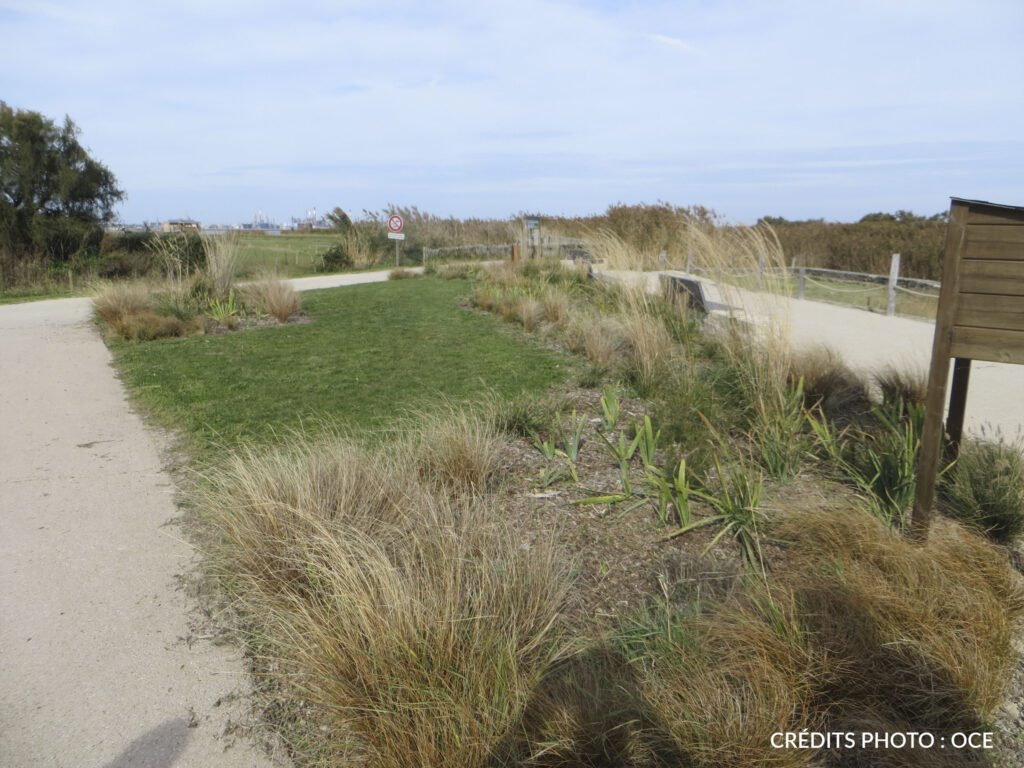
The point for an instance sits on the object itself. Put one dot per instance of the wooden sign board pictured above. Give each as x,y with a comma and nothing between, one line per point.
980,317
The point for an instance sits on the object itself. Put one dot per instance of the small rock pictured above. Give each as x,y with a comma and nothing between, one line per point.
1011,710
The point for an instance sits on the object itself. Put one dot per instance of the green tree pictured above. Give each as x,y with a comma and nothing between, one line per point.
53,195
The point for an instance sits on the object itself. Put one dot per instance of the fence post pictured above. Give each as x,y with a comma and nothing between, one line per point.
894,274
802,284
760,269
689,261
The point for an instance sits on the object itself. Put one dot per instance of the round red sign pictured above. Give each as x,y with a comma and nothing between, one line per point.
395,223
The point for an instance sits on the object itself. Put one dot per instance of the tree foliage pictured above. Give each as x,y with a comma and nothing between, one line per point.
53,195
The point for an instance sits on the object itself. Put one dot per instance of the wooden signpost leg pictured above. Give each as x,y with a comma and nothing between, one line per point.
957,406
931,442
938,375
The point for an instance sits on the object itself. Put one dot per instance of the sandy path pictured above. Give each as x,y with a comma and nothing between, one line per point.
95,670
869,342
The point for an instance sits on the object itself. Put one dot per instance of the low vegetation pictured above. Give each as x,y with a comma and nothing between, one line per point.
700,547
193,299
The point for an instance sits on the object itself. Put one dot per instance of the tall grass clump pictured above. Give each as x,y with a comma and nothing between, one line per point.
900,385
602,338
457,450
418,625
985,487
878,460
273,297
116,300
222,253
131,312
918,635
721,681
829,385
648,343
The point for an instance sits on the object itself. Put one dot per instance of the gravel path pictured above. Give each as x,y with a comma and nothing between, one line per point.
97,661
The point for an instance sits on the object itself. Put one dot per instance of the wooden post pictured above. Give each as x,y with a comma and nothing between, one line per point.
957,406
760,269
689,261
931,438
894,274
802,284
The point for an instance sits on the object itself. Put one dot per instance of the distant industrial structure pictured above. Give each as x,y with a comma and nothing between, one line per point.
260,222
180,225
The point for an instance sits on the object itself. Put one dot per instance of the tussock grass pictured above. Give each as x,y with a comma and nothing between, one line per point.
417,624
113,301
273,297
829,385
146,326
720,682
648,343
222,262
901,385
918,634
455,449
602,339
530,312
985,488
556,306
401,273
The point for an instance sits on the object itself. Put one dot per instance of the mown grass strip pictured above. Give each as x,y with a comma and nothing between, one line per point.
371,352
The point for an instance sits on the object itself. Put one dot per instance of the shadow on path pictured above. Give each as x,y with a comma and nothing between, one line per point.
157,748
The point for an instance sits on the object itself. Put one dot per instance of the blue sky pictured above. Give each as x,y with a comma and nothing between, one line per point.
790,108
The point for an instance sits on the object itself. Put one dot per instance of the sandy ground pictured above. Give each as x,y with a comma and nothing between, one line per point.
98,664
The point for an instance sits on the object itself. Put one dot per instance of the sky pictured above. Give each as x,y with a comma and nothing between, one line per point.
794,108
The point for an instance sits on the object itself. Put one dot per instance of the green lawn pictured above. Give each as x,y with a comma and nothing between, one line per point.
370,353
291,255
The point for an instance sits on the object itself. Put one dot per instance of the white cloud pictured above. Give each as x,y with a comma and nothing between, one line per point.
677,43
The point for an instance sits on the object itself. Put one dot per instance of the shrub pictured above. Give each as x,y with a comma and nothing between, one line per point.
335,258
985,488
